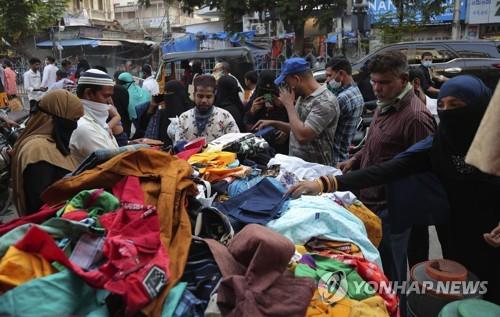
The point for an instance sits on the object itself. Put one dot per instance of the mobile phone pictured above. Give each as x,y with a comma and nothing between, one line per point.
268,97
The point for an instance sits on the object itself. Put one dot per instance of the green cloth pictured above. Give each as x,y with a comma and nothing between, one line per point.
58,228
60,294
137,95
324,269
173,299
95,207
470,308
385,105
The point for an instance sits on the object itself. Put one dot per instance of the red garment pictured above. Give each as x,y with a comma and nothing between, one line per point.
137,266
45,213
10,82
76,215
192,148
370,272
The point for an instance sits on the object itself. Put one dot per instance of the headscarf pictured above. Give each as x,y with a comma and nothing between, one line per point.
227,92
458,127
176,102
137,95
227,98
46,138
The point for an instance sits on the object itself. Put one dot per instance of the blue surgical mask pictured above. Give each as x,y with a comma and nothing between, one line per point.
427,63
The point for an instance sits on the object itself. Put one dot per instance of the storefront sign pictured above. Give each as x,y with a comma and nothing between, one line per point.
484,11
381,7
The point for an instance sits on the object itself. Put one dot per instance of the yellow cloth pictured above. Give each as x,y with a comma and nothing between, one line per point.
213,159
18,267
370,307
484,152
372,222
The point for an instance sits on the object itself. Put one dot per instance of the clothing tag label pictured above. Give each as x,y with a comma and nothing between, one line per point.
155,281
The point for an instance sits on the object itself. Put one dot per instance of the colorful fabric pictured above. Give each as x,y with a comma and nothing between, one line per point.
166,186
327,247
18,267
61,294
321,268
137,95
96,202
189,306
370,272
212,160
315,216
173,299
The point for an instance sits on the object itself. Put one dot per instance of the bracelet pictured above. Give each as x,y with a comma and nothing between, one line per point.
321,188
335,184
326,183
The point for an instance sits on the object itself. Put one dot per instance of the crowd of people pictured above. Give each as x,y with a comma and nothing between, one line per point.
312,121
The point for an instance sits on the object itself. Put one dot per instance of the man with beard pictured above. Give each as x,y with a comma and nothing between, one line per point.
204,120
313,117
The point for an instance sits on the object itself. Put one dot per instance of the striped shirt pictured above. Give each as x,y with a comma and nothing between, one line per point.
351,105
404,124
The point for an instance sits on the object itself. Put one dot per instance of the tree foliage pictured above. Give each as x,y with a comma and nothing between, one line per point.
21,18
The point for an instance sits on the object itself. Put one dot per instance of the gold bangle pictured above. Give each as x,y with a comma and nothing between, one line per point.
321,188
336,184
327,182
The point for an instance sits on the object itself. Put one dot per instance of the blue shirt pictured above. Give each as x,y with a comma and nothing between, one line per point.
351,105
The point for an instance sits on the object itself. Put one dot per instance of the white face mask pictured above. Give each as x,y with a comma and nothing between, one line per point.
334,84
427,63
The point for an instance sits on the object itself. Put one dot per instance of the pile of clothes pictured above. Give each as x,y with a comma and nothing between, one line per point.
148,233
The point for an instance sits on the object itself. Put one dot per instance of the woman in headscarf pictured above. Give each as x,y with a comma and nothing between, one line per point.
263,106
473,196
176,102
41,155
139,98
227,97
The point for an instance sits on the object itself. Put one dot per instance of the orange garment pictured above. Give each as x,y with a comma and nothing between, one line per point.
18,267
212,159
326,248
216,174
372,222
165,182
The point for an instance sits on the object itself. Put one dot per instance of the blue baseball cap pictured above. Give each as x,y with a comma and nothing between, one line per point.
292,66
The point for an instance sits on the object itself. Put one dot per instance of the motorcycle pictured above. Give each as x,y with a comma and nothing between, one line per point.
8,137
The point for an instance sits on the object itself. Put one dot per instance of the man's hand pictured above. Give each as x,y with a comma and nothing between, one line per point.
147,141
304,188
346,166
257,105
493,238
287,98
261,124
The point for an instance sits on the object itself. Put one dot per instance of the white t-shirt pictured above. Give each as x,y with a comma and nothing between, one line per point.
88,137
151,85
49,75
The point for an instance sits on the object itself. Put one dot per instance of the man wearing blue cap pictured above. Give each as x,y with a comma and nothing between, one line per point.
313,117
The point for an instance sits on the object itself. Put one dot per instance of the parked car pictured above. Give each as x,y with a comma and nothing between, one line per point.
451,58
240,60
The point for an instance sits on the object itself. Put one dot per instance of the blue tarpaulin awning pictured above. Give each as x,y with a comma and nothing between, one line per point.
73,42
332,39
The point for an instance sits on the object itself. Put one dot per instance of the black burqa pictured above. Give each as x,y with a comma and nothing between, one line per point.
176,102
474,196
227,98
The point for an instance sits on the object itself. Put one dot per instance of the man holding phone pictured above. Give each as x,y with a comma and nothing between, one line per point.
313,117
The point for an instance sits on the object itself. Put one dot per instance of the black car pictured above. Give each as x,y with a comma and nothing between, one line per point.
451,58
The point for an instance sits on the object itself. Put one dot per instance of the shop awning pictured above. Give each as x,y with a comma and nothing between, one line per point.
79,42
65,43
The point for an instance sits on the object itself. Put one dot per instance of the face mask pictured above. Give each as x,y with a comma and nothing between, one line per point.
334,84
63,128
427,63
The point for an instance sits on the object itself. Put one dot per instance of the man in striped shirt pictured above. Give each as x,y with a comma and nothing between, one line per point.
340,82
400,121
